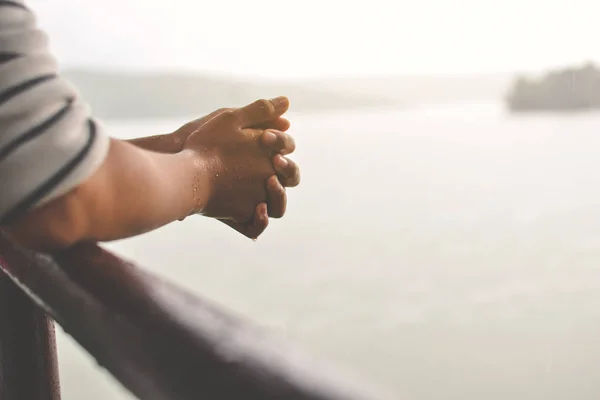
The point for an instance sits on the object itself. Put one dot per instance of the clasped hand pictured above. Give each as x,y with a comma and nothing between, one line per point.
243,171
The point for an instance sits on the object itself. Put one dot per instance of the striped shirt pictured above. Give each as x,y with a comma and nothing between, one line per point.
48,142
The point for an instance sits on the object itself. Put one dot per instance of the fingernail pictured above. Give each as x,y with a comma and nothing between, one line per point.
270,137
282,161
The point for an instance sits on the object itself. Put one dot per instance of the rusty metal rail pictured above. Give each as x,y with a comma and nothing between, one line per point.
158,340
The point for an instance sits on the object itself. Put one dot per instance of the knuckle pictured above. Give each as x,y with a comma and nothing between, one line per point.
280,140
265,106
291,170
228,115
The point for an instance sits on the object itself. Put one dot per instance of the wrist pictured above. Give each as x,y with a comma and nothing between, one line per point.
198,181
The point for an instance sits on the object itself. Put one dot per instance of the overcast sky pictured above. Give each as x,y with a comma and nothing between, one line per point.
295,38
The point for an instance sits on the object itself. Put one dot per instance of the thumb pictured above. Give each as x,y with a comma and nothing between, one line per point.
262,111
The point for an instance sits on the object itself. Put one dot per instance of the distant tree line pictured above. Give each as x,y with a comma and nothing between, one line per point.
568,89
133,95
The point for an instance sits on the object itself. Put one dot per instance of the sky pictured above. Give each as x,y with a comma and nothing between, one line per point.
309,38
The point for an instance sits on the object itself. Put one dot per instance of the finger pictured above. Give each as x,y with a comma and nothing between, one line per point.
260,221
262,111
277,198
278,142
287,170
279,124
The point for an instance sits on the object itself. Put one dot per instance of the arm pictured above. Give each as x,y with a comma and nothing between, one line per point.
49,144
134,191
64,180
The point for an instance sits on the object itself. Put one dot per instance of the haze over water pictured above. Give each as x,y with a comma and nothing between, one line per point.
445,252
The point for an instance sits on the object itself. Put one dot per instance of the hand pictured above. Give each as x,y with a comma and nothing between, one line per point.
238,166
274,139
288,174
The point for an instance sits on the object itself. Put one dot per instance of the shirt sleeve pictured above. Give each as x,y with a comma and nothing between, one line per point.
49,144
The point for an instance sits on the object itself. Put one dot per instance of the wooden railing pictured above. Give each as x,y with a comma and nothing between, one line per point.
159,341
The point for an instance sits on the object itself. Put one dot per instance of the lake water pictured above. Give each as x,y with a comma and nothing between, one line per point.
444,252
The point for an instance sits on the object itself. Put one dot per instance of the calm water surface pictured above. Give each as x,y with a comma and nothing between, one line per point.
445,252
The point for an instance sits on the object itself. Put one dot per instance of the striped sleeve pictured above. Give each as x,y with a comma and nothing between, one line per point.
48,142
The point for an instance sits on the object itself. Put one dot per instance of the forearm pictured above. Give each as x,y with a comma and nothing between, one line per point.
134,191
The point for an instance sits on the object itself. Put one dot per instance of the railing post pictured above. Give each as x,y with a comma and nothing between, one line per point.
28,363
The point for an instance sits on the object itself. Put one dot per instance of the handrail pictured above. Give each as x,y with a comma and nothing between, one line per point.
161,342
28,366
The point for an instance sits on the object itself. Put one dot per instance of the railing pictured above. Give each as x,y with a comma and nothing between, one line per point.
159,341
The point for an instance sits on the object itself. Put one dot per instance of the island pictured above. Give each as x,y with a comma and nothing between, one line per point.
562,90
